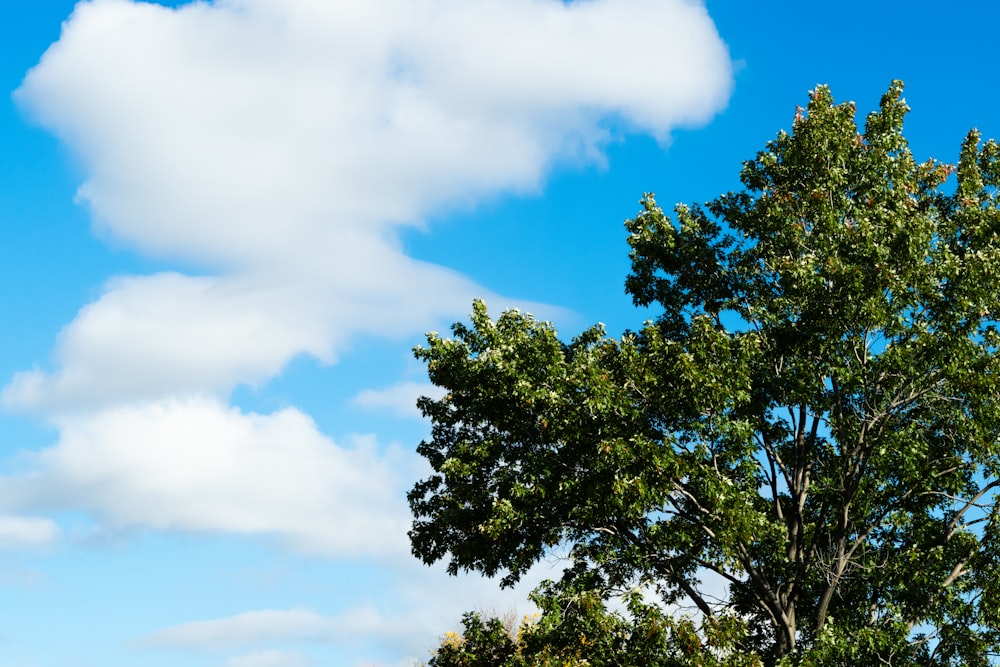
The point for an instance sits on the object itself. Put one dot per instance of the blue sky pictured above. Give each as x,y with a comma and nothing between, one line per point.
225,225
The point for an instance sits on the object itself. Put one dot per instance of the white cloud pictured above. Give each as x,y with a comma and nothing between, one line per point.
197,465
399,399
172,333
168,333
266,131
279,145
269,659
18,531
274,627
417,605
254,628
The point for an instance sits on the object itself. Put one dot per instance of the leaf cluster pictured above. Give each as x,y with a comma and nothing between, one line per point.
576,628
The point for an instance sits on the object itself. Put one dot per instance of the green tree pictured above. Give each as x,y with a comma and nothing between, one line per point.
813,415
575,629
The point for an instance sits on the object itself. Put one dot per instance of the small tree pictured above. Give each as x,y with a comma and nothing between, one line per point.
812,416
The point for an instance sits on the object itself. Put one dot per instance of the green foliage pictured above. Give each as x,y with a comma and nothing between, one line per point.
481,644
812,416
575,629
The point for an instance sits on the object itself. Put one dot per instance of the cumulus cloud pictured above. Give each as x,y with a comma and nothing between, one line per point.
198,465
262,132
150,336
279,146
172,333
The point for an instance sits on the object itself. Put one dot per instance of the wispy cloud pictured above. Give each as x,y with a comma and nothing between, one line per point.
269,659
399,399
258,630
254,628
18,531
417,604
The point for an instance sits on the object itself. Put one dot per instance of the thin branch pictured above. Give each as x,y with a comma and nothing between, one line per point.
664,567
953,525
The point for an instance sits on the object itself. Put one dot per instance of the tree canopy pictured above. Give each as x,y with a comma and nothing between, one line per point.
812,416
